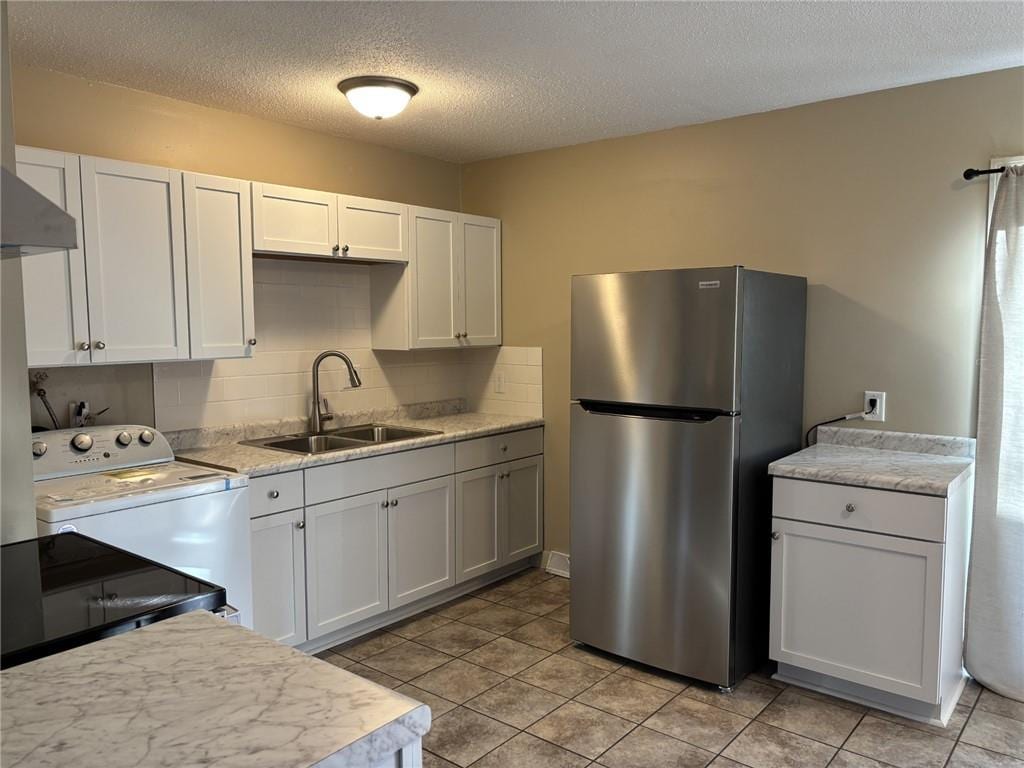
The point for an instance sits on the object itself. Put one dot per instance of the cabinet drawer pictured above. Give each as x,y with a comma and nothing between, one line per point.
863,509
275,493
494,449
349,478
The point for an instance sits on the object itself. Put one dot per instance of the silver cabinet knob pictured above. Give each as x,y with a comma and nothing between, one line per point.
274,494
384,504
850,508
301,524
38,449
124,439
394,502
146,436
344,249
100,345
252,342
335,247
81,442
84,346
504,449
776,535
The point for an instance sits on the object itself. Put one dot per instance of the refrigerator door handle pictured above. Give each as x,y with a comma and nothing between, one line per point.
654,411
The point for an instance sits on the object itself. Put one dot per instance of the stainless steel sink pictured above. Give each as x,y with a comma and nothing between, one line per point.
343,439
309,443
380,433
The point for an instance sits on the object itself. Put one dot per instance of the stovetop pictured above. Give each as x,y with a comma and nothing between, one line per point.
67,590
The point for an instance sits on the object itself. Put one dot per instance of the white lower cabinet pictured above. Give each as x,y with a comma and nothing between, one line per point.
339,561
498,515
867,594
859,606
346,561
477,525
421,540
279,576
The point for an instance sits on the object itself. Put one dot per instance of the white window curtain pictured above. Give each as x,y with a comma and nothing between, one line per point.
994,643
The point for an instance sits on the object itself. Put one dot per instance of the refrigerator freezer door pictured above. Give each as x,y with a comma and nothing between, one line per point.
652,521
665,337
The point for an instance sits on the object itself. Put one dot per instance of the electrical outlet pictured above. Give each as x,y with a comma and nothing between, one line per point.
879,412
499,382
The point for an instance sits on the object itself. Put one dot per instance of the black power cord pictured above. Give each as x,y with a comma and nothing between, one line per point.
873,403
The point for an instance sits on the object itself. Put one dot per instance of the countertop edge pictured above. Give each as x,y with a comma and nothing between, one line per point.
876,480
386,740
277,462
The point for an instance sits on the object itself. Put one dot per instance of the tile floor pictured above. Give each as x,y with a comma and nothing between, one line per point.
509,689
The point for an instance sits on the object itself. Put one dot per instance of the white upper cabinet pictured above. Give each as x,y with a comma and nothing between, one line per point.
135,261
218,245
56,308
373,230
289,220
481,280
435,284
450,294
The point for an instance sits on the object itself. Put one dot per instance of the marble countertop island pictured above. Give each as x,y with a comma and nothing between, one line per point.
195,690
254,461
897,461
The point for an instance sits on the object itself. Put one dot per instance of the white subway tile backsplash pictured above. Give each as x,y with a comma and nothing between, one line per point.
304,308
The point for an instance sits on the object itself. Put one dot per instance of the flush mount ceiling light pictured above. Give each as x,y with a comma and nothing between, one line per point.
376,96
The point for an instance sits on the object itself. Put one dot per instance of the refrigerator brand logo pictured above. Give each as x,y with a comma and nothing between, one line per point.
709,284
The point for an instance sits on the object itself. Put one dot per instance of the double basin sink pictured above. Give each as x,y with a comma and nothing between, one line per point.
343,439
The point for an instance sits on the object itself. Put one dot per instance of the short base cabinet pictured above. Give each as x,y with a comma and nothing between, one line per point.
279,576
421,536
867,594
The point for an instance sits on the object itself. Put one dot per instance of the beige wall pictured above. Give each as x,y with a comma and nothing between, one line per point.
58,111
862,195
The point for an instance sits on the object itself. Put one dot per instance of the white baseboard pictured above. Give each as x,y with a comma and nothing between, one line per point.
556,563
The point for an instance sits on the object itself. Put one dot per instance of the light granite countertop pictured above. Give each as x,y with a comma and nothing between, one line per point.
254,461
195,690
932,465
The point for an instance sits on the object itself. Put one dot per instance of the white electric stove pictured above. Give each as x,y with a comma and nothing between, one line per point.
121,485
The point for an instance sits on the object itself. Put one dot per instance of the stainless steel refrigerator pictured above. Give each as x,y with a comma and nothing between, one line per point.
685,385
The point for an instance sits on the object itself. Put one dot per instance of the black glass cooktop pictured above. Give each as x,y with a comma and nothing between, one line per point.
67,590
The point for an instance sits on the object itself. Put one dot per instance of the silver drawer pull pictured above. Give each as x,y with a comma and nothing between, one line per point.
851,508
775,535
300,525
274,494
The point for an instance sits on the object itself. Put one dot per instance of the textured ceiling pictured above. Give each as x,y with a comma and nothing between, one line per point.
499,78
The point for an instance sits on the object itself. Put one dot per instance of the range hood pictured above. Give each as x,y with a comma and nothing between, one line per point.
31,223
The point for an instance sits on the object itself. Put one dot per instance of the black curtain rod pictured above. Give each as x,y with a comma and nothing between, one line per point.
972,173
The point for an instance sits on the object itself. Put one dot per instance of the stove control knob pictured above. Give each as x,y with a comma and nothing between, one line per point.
81,442
124,439
146,436
38,449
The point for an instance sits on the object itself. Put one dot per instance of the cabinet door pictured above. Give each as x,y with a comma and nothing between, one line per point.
289,220
858,606
524,505
279,577
478,532
481,278
435,289
56,313
218,249
373,230
135,261
421,538
346,561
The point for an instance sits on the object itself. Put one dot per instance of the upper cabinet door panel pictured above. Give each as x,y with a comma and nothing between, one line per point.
295,221
373,230
218,245
56,309
482,280
135,261
435,293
